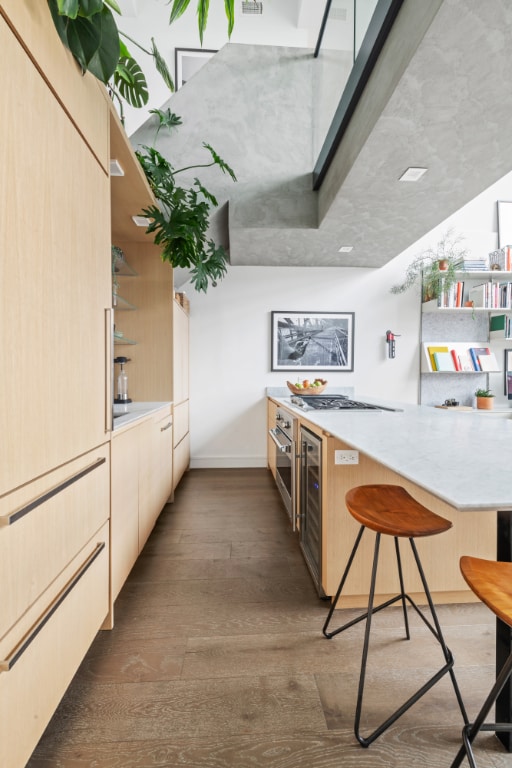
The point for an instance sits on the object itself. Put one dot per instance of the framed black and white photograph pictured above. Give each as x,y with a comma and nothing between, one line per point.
188,61
320,341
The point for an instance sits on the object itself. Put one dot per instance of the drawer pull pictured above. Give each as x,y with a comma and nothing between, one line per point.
17,514
8,663
162,429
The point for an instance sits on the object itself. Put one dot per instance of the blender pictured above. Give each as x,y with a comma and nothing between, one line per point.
122,384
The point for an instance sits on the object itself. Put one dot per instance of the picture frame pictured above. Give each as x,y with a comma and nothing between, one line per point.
504,223
312,341
188,61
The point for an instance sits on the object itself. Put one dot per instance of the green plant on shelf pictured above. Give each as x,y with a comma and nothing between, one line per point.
483,393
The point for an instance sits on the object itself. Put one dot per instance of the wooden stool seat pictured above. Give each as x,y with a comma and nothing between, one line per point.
390,509
491,582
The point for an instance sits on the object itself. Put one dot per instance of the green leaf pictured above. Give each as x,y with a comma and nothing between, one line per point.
123,50
89,8
104,62
178,8
83,39
115,7
130,81
219,161
229,6
68,8
161,66
202,16
61,22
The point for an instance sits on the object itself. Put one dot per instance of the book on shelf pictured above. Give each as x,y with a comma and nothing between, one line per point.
492,294
488,362
444,361
431,352
466,362
456,360
475,353
500,327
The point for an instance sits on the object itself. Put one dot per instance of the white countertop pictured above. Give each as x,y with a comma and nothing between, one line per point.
135,412
463,458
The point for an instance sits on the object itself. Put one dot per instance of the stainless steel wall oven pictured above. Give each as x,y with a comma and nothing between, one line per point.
284,435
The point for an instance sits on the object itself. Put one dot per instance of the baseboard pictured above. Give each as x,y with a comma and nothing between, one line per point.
228,462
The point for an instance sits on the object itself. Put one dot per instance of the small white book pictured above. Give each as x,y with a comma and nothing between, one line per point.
488,362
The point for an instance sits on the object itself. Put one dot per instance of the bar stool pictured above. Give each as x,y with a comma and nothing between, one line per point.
392,511
492,583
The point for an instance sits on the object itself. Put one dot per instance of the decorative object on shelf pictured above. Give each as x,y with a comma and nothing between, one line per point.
426,268
306,387
312,340
484,399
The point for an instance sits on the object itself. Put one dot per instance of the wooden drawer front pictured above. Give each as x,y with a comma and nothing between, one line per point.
35,674
180,422
44,525
156,470
124,519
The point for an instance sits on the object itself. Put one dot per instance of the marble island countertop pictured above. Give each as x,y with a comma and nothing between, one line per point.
463,458
127,414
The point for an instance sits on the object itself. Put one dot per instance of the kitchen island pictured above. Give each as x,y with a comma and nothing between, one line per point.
458,464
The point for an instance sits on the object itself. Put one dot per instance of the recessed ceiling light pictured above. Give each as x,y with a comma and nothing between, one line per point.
345,249
412,174
115,168
141,221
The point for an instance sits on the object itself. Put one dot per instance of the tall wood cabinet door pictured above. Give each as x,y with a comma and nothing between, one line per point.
180,354
54,278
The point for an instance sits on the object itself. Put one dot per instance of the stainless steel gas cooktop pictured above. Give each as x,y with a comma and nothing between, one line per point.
334,403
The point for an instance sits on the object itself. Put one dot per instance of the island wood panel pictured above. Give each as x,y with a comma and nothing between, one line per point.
473,533
31,690
83,96
180,421
180,460
156,477
54,279
271,448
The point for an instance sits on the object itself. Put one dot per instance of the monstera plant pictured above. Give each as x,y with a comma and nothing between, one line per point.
180,221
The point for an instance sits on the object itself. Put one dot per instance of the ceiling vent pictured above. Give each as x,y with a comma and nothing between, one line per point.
248,6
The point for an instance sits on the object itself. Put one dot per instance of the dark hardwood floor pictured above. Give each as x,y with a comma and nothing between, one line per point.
217,658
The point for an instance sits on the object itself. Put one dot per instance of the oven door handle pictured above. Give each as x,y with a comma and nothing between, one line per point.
280,447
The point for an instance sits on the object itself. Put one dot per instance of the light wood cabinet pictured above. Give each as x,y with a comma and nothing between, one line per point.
54,276
54,553
141,458
271,449
180,367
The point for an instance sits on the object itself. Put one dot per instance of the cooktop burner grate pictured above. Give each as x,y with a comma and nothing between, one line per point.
332,403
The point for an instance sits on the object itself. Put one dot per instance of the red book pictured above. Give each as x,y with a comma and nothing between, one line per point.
456,360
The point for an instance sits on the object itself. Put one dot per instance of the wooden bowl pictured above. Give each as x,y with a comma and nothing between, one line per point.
306,391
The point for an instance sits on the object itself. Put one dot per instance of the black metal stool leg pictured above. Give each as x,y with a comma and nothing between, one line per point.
438,633
338,593
471,730
402,589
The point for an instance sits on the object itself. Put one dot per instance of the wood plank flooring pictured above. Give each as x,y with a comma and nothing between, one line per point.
217,658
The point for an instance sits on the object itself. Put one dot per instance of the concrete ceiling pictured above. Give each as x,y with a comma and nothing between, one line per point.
440,97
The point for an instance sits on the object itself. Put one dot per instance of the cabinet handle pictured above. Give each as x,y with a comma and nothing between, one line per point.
109,368
17,514
162,429
8,663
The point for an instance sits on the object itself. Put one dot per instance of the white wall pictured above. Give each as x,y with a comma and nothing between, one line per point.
230,337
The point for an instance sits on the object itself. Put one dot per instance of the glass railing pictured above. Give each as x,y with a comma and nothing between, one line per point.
351,37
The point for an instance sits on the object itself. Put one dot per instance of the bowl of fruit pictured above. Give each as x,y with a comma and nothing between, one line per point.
307,387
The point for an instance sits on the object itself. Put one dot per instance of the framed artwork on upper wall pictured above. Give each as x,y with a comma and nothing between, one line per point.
305,341
188,61
504,223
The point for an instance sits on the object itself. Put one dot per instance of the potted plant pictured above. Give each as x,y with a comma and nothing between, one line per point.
484,399
436,268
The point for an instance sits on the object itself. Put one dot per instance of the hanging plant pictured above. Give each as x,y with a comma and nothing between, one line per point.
180,222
